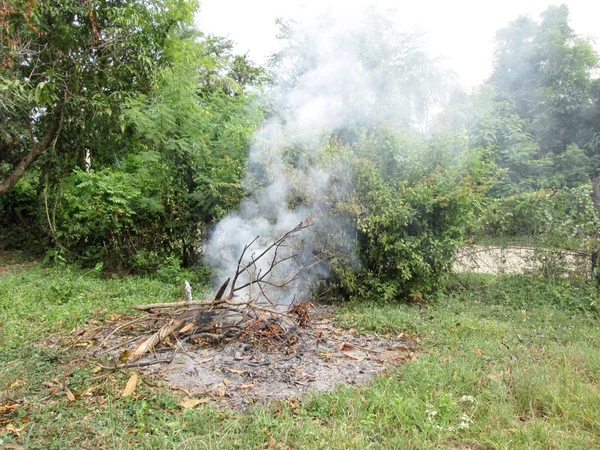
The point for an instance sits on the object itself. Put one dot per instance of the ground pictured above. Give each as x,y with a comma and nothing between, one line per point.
504,362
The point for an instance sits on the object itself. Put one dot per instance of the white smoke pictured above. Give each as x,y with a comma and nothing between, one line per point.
339,71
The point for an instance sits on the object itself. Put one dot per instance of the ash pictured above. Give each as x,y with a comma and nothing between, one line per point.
240,373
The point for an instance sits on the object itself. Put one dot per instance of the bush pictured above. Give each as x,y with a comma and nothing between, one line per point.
21,218
407,231
563,218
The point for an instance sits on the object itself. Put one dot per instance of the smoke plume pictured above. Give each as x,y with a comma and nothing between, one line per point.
339,72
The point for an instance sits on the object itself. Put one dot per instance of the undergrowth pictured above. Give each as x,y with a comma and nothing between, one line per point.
505,363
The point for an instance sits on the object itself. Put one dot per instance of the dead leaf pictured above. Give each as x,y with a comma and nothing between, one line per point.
272,442
345,347
70,395
237,372
202,361
185,391
14,430
7,408
124,356
226,382
191,403
96,369
354,357
478,351
130,386
188,327
401,348
89,390
495,377
220,392
247,386
16,383
13,447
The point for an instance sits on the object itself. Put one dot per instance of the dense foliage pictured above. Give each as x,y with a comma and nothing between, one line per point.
125,136
147,122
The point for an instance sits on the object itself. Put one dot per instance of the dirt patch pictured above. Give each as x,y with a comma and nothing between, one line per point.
520,260
239,373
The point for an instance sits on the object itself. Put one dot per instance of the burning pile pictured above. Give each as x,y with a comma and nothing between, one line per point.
243,308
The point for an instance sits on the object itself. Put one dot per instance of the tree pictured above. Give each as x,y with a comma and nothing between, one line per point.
546,69
67,68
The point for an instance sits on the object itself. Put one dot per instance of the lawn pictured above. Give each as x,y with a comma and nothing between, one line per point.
505,363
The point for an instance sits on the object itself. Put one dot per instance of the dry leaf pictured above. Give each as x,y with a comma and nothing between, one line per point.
478,351
89,390
401,348
193,402
70,395
13,447
354,357
188,327
226,382
237,372
7,408
272,442
16,383
247,386
96,369
10,427
345,347
130,386
495,377
220,392
124,356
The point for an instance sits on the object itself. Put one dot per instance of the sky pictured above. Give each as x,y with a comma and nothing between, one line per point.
460,33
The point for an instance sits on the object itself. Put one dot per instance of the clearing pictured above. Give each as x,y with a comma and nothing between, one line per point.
504,362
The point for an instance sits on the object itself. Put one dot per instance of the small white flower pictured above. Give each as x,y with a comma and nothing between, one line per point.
467,399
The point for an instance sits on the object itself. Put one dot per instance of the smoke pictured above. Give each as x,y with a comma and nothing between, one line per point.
337,73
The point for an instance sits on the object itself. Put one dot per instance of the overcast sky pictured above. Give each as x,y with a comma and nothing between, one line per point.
460,31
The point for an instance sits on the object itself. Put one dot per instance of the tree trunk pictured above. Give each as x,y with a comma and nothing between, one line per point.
37,150
596,249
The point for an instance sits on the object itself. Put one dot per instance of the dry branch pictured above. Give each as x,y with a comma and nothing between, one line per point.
246,310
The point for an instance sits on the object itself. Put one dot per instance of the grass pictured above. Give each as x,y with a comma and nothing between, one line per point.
506,363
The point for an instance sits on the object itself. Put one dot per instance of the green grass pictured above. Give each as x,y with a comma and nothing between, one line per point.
35,302
506,363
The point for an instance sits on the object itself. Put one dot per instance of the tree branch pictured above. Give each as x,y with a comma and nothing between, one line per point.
37,150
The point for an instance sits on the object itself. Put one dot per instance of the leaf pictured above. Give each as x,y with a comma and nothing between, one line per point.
10,427
191,403
401,348
124,356
237,372
272,442
130,386
478,351
247,386
188,327
70,395
16,383
345,347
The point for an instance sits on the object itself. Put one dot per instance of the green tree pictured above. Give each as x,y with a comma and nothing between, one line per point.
67,68
546,69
